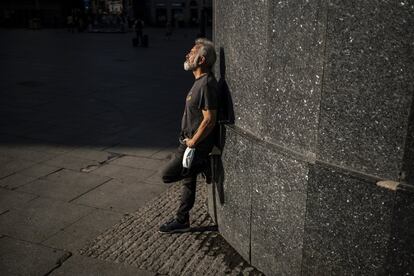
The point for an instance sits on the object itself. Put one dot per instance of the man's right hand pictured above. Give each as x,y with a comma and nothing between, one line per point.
189,142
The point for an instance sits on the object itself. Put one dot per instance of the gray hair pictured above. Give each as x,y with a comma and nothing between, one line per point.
206,50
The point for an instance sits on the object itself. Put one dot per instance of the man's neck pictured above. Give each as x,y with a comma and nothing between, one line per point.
199,72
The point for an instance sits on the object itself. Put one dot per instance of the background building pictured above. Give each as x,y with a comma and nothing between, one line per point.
180,13
53,13
49,13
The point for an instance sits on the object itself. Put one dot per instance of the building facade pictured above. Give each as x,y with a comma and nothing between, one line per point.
20,13
53,13
179,13
109,6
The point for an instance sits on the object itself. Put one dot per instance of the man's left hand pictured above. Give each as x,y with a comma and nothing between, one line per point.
190,143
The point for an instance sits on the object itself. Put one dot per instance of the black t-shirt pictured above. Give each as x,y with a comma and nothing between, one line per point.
203,95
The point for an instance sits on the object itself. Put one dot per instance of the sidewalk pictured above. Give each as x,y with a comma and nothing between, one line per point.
86,122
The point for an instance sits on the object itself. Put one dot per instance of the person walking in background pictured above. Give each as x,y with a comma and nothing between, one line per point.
70,23
197,132
138,28
168,30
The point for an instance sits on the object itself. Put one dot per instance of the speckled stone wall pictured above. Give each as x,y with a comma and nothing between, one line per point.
234,216
323,99
245,70
401,252
367,95
278,210
293,74
347,226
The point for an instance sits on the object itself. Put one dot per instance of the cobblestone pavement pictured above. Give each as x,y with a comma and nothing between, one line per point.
136,241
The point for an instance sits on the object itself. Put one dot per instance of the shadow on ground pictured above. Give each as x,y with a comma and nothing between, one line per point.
91,89
86,121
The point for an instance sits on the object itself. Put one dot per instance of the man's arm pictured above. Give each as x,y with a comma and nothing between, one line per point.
206,126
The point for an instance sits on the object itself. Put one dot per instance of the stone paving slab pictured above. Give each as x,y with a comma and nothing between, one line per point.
139,162
71,162
148,138
21,152
133,150
76,235
11,199
55,137
122,173
165,153
84,266
108,129
51,148
91,154
120,196
15,181
155,179
40,218
105,142
24,258
136,241
64,185
4,159
39,170
147,134
13,166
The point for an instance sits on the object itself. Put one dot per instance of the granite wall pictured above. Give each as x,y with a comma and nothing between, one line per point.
323,102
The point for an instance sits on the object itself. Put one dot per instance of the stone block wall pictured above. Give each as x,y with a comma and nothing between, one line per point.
323,101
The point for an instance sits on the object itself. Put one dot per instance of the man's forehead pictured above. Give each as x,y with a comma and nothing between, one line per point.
195,47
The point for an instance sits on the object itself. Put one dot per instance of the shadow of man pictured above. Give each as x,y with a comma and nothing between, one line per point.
225,117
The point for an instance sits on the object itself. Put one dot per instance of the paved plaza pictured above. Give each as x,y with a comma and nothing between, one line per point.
86,123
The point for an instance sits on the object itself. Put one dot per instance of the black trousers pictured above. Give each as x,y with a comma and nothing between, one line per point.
174,172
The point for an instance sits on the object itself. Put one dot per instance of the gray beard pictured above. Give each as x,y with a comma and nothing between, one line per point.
189,67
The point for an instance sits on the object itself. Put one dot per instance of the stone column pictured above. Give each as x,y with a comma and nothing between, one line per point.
323,99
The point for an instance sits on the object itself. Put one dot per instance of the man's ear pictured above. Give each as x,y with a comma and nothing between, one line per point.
201,60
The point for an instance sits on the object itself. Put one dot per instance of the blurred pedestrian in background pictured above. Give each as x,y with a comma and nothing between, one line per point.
138,28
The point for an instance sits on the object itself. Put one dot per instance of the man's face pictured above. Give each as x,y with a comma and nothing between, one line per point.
191,59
